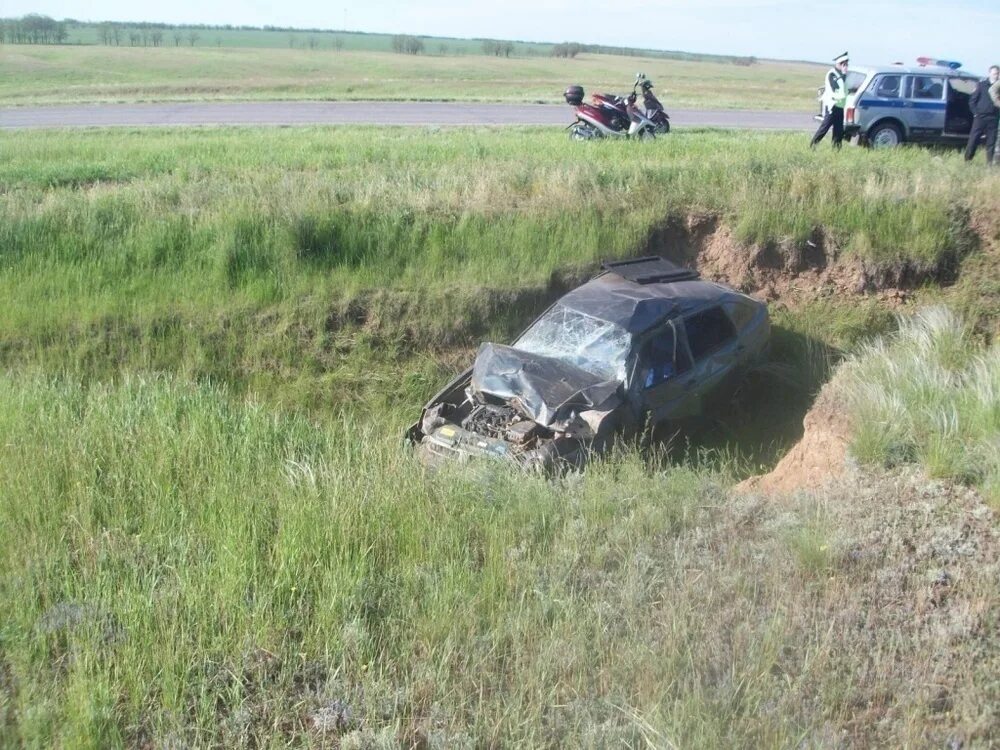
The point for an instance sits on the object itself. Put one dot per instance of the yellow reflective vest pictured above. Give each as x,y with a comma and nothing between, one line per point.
835,90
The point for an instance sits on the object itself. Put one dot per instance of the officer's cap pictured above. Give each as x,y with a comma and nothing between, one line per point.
841,58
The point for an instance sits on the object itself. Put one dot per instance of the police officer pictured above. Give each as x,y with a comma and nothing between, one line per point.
834,98
984,117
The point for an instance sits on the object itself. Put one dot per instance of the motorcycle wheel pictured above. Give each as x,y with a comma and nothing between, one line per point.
583,132
647,134
663,128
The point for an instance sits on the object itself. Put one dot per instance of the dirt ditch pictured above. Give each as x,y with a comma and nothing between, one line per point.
790,271
818,457
783,273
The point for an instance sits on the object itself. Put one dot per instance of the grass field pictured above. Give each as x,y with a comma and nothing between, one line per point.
930,395
209,535
233,254
51,74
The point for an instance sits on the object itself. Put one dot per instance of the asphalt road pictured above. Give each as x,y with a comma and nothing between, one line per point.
359,113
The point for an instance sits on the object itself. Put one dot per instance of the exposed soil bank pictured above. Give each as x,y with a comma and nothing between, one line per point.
785,272
788,270
818,457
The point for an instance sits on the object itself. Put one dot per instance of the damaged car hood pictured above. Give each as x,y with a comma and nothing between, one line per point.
544,389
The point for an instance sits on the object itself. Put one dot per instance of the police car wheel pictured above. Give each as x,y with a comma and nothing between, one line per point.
885,135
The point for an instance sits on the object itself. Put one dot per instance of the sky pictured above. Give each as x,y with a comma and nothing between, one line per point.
872,32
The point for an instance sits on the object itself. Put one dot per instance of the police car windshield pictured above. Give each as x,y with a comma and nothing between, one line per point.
854,81
593,345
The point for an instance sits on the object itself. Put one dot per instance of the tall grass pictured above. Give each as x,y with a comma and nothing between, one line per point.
192,568
929,394
108,224
185,561
294,265
311,266
182,569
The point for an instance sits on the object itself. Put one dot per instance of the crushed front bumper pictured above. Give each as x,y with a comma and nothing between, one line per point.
453,443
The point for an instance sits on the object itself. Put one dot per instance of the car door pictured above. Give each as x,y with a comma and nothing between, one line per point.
925,105
958,116
715,349
753,329
663,380
883,98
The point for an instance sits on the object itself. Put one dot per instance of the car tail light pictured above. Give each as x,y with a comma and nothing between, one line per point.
849,117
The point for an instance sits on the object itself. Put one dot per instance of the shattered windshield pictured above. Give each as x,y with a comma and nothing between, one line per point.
593,345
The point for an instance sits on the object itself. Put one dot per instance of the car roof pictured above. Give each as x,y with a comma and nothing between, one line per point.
934,70
636,306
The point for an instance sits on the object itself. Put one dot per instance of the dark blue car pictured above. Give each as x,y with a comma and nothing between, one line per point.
644,342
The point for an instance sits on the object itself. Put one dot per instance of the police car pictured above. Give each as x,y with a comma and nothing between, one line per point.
893,104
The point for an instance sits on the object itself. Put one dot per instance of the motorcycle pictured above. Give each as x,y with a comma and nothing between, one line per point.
611,116
654,109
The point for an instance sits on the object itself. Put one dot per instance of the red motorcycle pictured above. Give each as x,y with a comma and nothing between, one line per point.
610,116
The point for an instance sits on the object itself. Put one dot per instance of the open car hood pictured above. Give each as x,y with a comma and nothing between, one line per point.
544,389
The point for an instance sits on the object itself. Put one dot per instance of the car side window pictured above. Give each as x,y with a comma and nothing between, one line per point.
888,87
740,313
928,87
663,357
854,80
707,331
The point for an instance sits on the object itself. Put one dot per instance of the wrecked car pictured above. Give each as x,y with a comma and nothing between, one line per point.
643,343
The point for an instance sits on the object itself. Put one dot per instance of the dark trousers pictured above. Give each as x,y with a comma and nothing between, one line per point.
834,119
982,125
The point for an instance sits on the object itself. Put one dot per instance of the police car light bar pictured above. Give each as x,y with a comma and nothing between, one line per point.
922,61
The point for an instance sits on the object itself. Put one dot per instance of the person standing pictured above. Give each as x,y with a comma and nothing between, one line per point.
985,113
834,99
995,96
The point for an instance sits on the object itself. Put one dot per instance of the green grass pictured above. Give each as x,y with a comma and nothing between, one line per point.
189,569
52,74
930,395
210,536
262,257
268,259
269,215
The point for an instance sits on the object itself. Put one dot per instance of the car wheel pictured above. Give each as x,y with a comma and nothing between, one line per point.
885,135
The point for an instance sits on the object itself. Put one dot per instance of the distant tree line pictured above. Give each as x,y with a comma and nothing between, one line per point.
33,29
567,49
572,49
39,29
498,48
406,44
